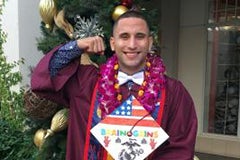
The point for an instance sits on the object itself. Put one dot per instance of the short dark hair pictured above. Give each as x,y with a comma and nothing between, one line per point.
129,14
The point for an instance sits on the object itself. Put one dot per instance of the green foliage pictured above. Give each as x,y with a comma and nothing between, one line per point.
11,102
15,142
50,38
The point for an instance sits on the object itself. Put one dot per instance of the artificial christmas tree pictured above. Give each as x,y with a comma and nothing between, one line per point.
65,20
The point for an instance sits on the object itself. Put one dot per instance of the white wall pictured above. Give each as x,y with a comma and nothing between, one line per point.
192,51
21,21
169,27
29,30
10,26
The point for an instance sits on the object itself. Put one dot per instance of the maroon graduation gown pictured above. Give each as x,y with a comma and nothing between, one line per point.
73,87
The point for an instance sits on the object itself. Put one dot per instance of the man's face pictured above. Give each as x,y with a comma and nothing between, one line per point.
131,42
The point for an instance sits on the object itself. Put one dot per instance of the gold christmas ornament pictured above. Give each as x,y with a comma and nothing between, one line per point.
48,10
119,10
39,137
59,122
62,23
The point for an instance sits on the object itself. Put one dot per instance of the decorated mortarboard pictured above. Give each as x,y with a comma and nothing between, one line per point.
129,132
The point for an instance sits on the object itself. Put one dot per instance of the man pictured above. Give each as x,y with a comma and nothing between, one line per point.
92,94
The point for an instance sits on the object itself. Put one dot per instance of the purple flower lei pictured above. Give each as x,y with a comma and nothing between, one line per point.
148,94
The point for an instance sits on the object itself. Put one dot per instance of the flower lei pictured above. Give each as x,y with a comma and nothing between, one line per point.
148,94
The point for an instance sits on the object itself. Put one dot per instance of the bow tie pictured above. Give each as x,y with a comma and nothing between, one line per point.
136,78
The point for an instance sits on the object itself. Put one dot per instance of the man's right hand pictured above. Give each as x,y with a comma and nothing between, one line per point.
92,45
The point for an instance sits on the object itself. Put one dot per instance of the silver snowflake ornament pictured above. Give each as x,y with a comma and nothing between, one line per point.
87,27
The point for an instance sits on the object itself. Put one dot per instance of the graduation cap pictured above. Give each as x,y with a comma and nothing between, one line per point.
129,132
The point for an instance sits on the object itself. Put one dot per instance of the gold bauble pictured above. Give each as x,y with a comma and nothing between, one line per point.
59,122
119,10
62,23
39,137
48,10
